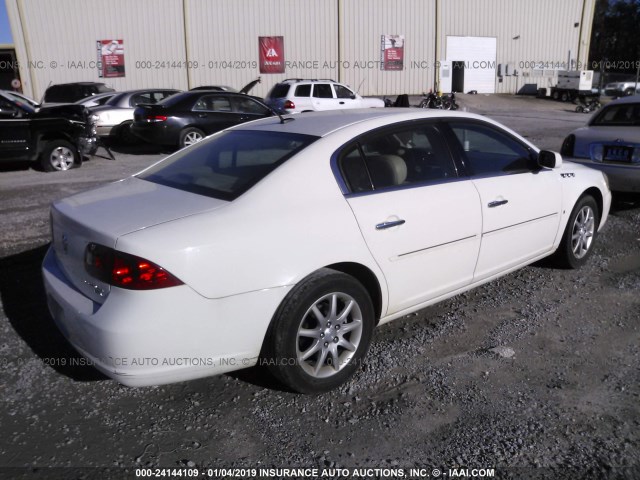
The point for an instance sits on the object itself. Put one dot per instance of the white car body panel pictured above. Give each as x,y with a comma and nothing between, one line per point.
239,259
434,251
107,119
522,228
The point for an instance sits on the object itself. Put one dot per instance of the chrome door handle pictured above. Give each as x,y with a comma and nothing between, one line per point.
383,225
497,203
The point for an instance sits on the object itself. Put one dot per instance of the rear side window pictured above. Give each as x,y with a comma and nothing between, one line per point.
279,91
407,155
303,90
322,90
228,164
624,114
212,103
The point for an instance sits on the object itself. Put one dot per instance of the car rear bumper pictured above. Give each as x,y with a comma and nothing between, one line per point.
622,177
155,134
154,337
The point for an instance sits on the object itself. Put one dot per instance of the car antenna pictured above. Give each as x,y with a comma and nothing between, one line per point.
282,119
45,91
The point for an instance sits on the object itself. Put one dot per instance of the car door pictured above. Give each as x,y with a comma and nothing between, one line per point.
419,219
345,97
521,202
249,109
214,112
15,132
322,97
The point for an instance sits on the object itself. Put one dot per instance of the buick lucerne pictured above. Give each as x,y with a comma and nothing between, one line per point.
288,239
610,143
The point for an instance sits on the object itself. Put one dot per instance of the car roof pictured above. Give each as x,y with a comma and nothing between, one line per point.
323,123
298,80
76,83
630,99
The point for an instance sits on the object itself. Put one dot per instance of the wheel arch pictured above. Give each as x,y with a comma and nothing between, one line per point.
368,280
597,196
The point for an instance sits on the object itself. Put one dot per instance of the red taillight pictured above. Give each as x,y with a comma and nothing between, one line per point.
126,271
288,104
155,118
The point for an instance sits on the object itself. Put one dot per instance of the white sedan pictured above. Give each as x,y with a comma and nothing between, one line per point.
283,242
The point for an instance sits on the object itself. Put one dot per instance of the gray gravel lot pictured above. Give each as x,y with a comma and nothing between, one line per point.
560,399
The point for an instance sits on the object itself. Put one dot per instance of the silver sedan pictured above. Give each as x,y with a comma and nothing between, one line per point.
611,143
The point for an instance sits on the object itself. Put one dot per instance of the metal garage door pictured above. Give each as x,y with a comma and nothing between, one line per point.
477,57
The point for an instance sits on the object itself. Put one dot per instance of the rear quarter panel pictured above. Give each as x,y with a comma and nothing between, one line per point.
290,224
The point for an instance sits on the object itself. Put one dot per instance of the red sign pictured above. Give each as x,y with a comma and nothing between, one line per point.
271,54
110,58
392,50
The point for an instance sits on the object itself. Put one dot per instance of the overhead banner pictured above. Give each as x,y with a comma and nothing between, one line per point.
271,54
392,52
110,58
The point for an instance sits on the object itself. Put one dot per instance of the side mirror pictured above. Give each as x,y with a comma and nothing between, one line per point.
549,159
352,96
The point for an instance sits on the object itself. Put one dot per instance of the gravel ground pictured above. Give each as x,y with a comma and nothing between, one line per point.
536,375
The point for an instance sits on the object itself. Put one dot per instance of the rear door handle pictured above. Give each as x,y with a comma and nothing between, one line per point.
497,203
384,225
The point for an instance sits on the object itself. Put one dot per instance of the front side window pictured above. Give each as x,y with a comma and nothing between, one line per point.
343,92
248,105
228,164
488,151
408,155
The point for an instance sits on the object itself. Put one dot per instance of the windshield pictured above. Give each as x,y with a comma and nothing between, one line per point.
619,115
228,164
14,102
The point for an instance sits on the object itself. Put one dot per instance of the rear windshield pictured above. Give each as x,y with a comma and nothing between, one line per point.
621,114
227,165
279,91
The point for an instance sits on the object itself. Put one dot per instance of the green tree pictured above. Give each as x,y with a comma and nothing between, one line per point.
614,36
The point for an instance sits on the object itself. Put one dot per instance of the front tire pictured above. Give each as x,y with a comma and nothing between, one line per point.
59,156
578,240
320,333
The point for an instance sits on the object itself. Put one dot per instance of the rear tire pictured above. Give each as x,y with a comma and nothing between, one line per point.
124,135
320,333
59,156
579,235
189,136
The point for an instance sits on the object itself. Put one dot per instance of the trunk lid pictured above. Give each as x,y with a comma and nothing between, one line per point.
105,214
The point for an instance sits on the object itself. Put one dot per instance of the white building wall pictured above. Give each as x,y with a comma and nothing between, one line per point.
527,32
337,39
362,25
223,40
60,41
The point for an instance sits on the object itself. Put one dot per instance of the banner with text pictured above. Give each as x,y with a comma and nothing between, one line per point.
110,58
392,52
271,54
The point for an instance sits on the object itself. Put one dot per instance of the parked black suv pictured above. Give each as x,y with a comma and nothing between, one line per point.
56,136
72,92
